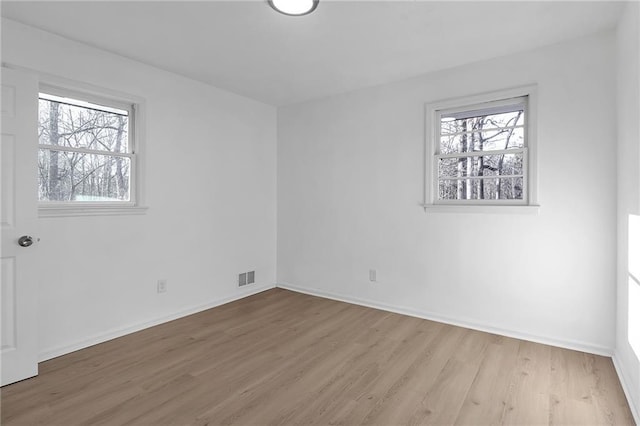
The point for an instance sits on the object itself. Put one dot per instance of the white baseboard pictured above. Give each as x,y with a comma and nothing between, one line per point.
624,381
466,323
119,332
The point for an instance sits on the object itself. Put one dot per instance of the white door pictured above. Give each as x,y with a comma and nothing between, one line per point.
18,217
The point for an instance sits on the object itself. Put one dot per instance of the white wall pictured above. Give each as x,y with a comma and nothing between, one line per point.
350,179
628,64
210,187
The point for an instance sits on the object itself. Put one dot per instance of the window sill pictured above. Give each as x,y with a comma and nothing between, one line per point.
71,211
481,209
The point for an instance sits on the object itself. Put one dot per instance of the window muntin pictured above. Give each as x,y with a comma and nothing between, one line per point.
481,153
86,151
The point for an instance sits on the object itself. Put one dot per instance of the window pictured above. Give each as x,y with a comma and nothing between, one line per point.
633,255
480,150
87,154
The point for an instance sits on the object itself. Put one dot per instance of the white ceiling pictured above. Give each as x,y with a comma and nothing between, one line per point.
247,48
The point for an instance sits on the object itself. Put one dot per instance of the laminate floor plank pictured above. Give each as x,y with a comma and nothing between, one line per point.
354,381
608,397
529,398
492,386
285,358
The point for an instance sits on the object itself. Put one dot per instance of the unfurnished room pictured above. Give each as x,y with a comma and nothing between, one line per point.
261,212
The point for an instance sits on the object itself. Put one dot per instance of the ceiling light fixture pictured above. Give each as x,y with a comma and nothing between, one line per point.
294,7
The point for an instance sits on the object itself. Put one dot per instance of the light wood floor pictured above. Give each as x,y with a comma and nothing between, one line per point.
285,358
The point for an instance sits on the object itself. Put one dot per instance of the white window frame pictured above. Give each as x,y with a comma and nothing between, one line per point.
434,110
135,108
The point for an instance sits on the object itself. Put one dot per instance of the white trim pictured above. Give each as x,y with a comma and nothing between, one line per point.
69,90
476,202
497,130
78,99
482,208
50,353
90,210
85,151
478,101
466,323
137,130
483,177
624,381
487,153
62,86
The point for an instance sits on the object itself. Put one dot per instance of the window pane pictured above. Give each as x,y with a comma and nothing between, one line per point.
450,144
481,189
498,139
73,176
500,165
75,126
489,140
503,189
452,123
448,190
461,189
486,165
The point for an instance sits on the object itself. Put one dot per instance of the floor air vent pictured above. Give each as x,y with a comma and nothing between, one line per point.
246,278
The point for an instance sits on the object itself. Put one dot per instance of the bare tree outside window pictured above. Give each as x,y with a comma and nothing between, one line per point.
482,154
85,154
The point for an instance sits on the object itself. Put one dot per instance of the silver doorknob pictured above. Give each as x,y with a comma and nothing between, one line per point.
25,241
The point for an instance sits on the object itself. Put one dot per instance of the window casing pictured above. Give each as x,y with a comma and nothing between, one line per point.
480,149
88,156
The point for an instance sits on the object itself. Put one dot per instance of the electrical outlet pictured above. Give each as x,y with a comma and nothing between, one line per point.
251,277
162,286
373,275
